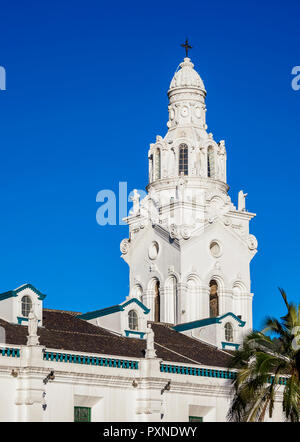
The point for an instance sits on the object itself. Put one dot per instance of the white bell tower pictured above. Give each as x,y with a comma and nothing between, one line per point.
189,247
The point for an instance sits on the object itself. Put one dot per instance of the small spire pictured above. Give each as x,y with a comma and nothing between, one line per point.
187,47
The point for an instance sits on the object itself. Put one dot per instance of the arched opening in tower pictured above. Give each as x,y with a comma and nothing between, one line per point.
156,302
213,299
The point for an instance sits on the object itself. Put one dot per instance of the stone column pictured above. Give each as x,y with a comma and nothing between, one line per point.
148,300
150,385
204,294
30,391
182,307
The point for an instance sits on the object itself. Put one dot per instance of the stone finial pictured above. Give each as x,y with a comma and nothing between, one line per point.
242,201
150,351
32,338
136,202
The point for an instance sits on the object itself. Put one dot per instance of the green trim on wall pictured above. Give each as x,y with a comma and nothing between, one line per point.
13,293
10,352
133,332
231,344
207,321
21,319
113,309
209,372
90,360
6,295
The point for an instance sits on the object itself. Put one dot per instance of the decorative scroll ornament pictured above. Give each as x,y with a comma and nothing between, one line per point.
173,231
124,246
252,242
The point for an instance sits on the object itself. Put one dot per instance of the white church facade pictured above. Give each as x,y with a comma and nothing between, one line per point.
163,354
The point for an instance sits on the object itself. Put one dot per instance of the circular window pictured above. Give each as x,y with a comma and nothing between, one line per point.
215,249
153,250
184,111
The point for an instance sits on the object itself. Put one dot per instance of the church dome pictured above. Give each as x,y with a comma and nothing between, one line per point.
186,76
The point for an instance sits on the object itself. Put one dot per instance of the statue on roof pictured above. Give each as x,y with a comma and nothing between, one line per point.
32,338
150,351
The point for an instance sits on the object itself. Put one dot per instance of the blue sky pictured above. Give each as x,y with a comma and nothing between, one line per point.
86,94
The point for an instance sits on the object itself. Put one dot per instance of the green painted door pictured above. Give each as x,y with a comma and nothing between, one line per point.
82,414
195,419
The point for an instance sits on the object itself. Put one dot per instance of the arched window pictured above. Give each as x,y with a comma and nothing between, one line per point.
133,322
210,163
183,159
157,165
228,332
156,302
213,299
26,305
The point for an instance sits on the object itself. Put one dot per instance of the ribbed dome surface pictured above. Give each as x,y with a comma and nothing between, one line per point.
186,76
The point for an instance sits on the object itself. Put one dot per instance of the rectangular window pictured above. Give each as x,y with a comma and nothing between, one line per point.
195,419
82,414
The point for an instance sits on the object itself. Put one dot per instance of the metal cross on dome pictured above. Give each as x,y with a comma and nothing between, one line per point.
187,47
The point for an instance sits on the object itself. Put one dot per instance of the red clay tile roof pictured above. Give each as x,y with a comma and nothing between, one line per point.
63,331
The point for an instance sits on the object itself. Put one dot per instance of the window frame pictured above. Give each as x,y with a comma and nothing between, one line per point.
157,165
183,159
211,167
135,325
226,331
25,305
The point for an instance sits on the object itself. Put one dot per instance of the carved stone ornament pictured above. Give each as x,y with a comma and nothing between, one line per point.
153,250
124,246
173,231
185,232
226,221
252,242
32,338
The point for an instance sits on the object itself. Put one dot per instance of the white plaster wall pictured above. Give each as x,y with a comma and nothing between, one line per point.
111,395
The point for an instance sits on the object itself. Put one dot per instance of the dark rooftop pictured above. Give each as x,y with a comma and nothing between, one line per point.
63,331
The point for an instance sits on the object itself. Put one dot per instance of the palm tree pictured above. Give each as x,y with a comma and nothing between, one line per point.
265,365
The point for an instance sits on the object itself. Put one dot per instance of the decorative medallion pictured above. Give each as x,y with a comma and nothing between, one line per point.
153,250
184,111
185,232
226,221
124,246
252,242
215,249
